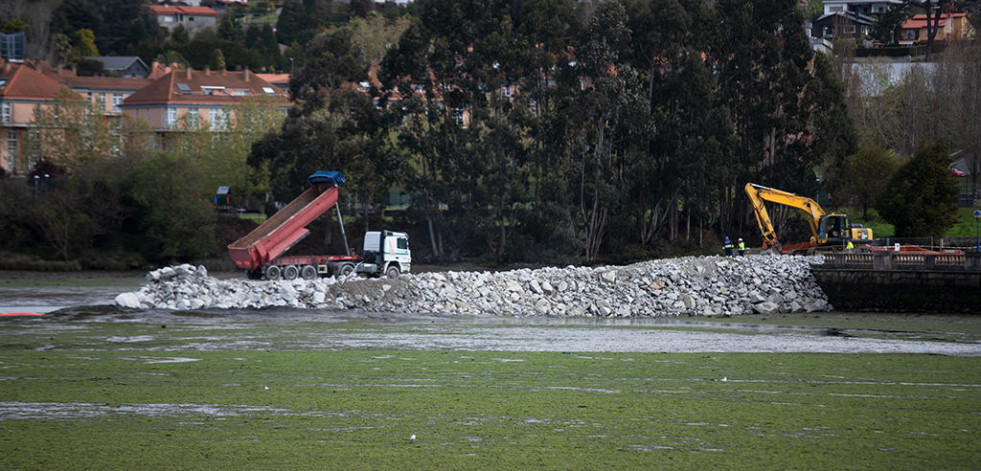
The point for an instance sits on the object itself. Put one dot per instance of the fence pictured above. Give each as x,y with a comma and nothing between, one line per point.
937,244
969,261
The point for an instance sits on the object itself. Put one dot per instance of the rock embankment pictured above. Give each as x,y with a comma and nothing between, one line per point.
703,286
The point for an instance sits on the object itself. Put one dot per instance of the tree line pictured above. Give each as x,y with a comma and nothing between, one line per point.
545,131
552,129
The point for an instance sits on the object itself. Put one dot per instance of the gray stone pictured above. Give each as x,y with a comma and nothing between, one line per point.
766,307
128,301
693,286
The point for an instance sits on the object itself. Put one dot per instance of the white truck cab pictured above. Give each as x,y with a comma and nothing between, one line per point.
385,253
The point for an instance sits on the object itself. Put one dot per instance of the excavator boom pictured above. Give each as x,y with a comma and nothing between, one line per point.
826,229
758,194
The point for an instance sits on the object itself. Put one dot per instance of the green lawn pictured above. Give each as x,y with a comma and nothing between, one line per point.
141,395
966,225
265,18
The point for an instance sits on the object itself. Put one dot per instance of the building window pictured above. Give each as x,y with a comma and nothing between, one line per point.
117,100
115,124
12,148
171,117
5,114
219,120
33,135
193,118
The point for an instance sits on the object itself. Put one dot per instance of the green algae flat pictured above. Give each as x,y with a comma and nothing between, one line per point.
83,408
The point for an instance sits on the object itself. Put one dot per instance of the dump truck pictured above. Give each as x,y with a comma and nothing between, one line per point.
828,230
260,252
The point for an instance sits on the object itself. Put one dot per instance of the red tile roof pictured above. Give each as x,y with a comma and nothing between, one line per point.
105,83
199,11
920,21
68,78
275,78
182,86
175,9
22,81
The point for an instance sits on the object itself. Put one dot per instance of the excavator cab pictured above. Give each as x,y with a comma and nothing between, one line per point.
833,229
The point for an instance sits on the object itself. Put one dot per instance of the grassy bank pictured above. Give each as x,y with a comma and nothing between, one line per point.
152,396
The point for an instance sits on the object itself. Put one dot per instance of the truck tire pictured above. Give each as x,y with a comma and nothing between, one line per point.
346,269
273,272
392,272
291,272
308,272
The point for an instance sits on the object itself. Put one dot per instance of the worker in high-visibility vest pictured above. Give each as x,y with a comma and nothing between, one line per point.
849,245
741,247
727,247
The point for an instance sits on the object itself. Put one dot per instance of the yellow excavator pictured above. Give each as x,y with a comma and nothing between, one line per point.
829,230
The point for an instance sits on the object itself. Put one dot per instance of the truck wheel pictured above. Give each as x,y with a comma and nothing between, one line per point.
308,272
346,269
392,272
273,272
291,272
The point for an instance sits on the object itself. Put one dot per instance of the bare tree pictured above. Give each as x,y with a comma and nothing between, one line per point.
973,10
955,81
37,14
934,11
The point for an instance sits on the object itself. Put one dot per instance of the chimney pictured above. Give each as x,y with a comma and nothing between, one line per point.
207,71
246,74
6,66
188,70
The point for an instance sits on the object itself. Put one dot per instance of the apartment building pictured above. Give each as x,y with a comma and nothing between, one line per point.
24,91
192,99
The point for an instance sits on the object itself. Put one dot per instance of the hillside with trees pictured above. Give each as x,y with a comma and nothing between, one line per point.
546,131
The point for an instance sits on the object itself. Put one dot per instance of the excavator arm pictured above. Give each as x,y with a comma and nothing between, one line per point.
758,194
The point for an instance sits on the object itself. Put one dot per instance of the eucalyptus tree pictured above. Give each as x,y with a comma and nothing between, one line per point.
326,118
833,136
687,128
763,59
606,139
461,56
548,81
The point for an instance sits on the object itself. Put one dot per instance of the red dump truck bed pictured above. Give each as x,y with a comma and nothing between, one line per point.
283,229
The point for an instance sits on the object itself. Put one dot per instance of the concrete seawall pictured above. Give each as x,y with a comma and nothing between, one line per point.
902,282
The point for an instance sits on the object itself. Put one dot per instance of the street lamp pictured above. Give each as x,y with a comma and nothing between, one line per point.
977,230
36,178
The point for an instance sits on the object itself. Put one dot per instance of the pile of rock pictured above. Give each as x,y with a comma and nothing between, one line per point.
703,286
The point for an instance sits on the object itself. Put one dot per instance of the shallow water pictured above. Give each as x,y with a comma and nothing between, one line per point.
73,303
47,292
